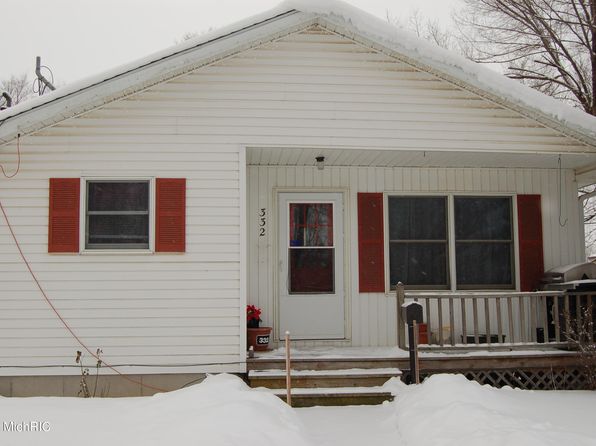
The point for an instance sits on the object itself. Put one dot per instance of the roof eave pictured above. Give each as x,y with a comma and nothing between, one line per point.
282,23
57,108
533,113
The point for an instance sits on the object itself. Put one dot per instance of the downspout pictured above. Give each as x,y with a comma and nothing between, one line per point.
581,199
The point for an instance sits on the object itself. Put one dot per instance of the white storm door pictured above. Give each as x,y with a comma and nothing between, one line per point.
311,265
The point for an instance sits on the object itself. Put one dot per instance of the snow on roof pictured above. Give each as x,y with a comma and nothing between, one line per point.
450,63
344,17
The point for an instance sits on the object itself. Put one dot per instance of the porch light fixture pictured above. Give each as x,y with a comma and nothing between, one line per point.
320,162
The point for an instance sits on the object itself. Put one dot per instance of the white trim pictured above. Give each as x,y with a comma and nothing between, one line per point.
515,235
243,253
274,243
285,19
324,302
83,216
386,269
451,269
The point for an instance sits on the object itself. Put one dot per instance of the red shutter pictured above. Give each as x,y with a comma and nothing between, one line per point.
63,222
170,215
531,258
371,255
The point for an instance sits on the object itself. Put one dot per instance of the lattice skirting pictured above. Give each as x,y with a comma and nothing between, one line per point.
530,379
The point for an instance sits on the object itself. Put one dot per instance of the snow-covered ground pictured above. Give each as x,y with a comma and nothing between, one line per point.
445,410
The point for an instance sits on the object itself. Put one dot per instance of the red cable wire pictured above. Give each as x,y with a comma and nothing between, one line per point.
18,160
49,302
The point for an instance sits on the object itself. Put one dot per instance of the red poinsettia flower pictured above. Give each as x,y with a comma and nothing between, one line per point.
253,313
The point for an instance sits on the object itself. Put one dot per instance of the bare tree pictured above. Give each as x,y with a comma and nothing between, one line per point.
19,88
427,29
581,337
549,45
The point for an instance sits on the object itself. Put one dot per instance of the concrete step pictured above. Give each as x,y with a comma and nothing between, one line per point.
335,396
276,378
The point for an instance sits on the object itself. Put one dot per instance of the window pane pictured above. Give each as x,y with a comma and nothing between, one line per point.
483,263
118,196
417,218
311,224
311,271
482,218
418,263
119,229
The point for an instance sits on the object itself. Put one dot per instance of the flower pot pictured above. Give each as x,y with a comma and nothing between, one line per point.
258,338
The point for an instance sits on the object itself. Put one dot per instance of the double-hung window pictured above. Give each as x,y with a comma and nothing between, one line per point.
481,244
117,214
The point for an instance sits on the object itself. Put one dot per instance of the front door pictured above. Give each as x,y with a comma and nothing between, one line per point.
311,265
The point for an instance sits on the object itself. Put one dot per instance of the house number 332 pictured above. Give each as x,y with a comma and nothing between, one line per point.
262,221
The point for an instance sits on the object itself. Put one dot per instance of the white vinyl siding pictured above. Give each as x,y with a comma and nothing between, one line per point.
372,316
308,90
157,310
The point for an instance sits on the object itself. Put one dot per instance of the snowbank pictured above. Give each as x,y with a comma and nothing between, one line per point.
222,410
450,410
445,410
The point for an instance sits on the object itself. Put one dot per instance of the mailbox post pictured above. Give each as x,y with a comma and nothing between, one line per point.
412,314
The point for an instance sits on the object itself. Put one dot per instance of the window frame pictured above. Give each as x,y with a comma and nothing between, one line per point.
451,253
331,247
84,222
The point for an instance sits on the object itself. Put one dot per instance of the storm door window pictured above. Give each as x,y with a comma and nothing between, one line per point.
483,242
418,243
311,249
117,215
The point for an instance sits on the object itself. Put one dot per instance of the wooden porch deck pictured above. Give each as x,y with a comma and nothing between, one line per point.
498,338
535,369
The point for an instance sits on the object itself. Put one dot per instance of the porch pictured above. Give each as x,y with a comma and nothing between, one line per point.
285,184
522,340
355,375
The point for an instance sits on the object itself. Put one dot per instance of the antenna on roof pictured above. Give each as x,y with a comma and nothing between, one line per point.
41,82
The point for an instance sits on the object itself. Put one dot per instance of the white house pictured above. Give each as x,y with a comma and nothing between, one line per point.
154,201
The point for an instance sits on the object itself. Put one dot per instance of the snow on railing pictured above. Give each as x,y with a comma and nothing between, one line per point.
497,318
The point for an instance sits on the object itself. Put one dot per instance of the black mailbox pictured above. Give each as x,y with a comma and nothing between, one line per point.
412,311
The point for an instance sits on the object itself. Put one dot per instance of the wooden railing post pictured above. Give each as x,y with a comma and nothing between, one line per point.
401,325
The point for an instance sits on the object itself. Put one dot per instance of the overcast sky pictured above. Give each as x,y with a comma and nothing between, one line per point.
79,38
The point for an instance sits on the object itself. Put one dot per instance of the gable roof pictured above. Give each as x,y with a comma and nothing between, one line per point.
288,17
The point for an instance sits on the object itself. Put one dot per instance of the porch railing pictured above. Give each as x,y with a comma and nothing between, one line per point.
511,319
